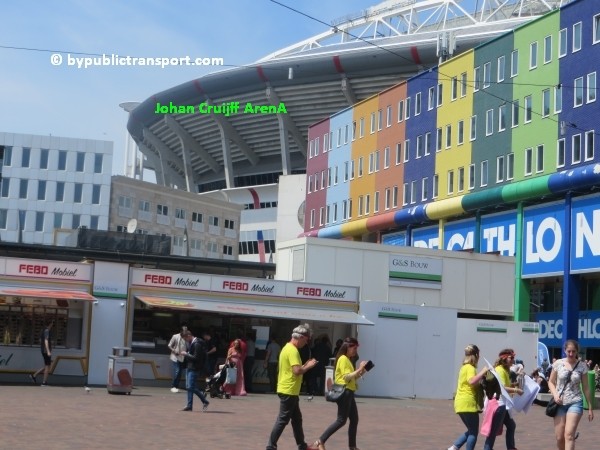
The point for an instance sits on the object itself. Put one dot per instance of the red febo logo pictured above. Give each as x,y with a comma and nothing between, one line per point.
308,291
158,279
33,269
235,285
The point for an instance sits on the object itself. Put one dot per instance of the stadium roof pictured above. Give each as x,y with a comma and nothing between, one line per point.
360,55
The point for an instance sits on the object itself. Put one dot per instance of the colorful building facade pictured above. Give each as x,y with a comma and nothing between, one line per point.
492,151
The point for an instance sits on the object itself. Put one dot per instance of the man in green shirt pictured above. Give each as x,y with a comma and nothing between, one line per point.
289,381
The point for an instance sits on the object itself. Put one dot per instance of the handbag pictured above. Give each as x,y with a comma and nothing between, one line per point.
335,392
231,375
552,406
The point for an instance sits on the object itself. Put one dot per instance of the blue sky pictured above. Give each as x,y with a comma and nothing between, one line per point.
39,98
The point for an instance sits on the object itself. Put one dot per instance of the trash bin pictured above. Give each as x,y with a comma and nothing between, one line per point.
592,383
329,375
120,371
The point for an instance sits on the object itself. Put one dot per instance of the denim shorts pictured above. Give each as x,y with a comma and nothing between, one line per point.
573,408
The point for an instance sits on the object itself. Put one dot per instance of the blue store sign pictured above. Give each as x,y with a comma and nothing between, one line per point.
551,329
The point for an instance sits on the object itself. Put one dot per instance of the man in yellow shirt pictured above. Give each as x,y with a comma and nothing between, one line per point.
289,381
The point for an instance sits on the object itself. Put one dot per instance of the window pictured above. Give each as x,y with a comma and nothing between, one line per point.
560,153
589,145
180,213
547,49
44,158
39,221
388,198
389,116
431,98
386,158
58,218
502,117
360,205
197,217
576,149
7,160
489,122
336,174
562,42
539,163
23,185
398,153
317,146
407,112
367,204
3,217
440,94
419,146
510,166
591,87
463,84
578,92
60,191
596,31
528,109
448,136
406,195
96,194
471,176
321,216
344,209
417,103
371,164
476,78
162,210
499,169
62,160
514,63
435,186
98,160
577,37
484,173
438,139
41,190
427,143
77,192
515,114
454,88
80,162
473,132
76,221
461,179
406,150
557,99
501,68
25,157
400,110
326,140
143,205
379,120
5,187
94,222
376,202
413,192
487,74
346,136
424,189
310,183
450,182
349,208
352,169
395,197
376,164
229,224
339,137
528,161
329,173
213,221
461,132
545,102
312,218
228,250
360,166
372,123
533,47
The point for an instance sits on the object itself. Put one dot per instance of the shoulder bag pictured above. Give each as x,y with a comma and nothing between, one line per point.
552,406
335,392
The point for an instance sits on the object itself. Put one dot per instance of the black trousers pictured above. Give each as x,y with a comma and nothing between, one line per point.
346,410
289,409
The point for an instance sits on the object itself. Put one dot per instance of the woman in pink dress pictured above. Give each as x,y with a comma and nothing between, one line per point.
234,354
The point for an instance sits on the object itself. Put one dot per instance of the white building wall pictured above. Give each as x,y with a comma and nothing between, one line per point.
11,203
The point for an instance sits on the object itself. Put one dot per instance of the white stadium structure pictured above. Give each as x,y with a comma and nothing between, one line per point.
360,55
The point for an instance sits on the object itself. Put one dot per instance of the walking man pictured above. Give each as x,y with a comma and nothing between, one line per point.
177,345
195,358
46,348
289,381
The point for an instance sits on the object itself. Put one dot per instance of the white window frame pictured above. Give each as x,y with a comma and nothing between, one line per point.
472,180
589,145
577,36
563,44
546,103
533,55
500,169
489,122
539,159
576,146
591,86
548,49
528,163
484,173
561,153
460,132
418,104
528,108
502,117
557,99
510,166
501,68
448,136
578,92
450,182
514,63
473,130
431,98
514,119
435,186
487,75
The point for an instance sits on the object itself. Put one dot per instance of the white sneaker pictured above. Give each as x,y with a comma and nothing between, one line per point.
174,390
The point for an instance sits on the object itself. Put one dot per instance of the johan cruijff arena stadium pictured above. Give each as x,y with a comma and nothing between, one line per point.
241,155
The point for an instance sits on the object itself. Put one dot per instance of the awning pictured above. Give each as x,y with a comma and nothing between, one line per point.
45,293
257,310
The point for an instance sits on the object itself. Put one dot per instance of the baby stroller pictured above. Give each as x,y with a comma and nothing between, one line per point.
214,384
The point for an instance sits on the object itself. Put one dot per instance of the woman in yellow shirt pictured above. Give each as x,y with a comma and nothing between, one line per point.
345,374
466,398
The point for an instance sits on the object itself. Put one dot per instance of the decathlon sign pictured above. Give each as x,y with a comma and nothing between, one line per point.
551,329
